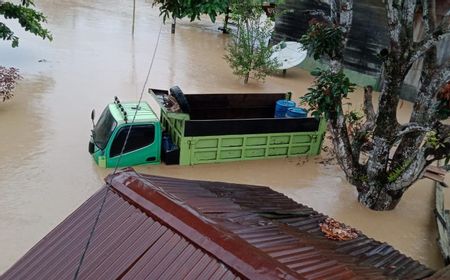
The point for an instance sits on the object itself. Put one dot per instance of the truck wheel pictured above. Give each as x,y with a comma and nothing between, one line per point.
181,99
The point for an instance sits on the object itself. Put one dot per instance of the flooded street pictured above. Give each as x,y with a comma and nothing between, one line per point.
46,171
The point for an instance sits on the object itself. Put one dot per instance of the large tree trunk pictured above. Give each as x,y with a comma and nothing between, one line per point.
395,155
377,197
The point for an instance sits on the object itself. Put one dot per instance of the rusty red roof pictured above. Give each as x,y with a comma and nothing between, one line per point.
164,228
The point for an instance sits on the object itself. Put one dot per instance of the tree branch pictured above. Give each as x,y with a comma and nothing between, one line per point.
407,17
421,159
334,12
361,135
394,26
368,104
431,39
428,15
341,142
346,15
412,127
412,172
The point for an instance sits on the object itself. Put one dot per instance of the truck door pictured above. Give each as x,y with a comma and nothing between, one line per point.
141,147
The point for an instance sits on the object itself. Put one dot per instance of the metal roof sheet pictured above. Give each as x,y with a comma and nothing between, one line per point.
127,244
289,232
165,228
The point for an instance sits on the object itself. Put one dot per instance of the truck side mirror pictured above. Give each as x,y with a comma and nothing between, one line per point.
93,116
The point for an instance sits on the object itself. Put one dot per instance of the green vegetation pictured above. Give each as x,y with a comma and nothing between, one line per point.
30,19
191,9
249,53
323,39
327,91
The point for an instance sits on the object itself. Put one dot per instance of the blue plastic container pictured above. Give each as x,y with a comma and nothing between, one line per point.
296,113
282,106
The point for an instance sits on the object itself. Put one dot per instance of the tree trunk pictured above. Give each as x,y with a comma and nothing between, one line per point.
246,78
377,197
225,22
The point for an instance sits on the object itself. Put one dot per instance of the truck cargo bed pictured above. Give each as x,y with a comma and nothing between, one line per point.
230,127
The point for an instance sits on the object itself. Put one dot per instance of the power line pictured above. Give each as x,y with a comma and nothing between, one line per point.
108,184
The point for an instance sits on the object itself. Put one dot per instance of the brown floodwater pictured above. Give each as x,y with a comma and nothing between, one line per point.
46,170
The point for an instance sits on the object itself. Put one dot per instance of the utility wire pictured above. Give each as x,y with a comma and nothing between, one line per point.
108,184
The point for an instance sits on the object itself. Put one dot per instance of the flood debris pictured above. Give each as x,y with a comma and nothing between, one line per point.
335,230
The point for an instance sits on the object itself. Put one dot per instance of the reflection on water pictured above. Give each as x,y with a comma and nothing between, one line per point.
46,171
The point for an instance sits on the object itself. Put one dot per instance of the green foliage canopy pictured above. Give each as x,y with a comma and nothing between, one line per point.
191,8
30,19
323,39
329,88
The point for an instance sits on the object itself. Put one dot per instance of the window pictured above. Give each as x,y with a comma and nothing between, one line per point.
103,129
140,136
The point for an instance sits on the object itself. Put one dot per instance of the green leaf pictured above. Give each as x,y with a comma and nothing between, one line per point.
30,20
316,114
316,72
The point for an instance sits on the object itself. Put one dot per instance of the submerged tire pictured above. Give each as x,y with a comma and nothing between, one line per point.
181,99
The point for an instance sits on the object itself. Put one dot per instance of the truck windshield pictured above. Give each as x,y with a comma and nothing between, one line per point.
104,128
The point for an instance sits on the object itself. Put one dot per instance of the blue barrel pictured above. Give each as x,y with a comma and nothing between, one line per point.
296,113
282,107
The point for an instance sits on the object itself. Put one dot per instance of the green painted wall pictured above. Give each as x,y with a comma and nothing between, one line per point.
358,78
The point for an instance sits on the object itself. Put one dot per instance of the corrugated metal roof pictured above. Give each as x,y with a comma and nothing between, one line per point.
164,228
127,244
290,233
443,274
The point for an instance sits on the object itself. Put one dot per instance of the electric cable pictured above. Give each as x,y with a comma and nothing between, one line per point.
108,184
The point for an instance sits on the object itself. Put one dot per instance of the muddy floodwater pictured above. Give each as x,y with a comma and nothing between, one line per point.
46,170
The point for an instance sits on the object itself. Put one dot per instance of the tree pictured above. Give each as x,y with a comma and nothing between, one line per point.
249,53
8,78
382,157
192,9
30,19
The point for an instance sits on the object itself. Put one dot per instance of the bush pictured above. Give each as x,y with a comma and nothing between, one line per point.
248,52
8,80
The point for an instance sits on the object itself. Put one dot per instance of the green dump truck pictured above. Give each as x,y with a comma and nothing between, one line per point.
201,128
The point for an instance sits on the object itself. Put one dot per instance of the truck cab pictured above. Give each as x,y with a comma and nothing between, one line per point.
118,119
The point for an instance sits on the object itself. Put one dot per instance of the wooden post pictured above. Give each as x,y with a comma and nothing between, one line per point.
174,22
134,16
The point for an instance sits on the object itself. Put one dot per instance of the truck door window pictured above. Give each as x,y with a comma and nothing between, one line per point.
140,136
